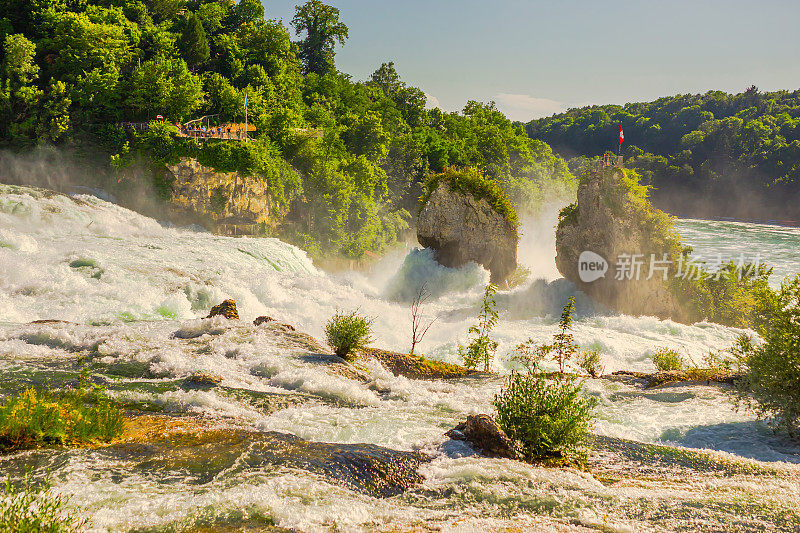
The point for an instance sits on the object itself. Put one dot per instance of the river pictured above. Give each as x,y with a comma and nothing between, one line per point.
126,284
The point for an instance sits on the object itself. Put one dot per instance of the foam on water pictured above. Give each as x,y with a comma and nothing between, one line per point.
137,291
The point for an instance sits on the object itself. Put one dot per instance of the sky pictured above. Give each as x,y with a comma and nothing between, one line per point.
535,58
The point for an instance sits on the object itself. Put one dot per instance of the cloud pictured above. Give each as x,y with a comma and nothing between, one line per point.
524,107
431,101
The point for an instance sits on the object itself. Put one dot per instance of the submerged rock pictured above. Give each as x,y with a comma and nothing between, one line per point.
226,309
267,319
486,435
201,382
461,229
170,446
692,376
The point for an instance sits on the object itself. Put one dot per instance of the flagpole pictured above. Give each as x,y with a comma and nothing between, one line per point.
245,117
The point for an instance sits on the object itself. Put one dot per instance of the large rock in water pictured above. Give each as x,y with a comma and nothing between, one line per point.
614,220
227,309
461,229
486,435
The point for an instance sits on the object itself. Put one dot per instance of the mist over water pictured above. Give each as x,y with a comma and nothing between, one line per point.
136,290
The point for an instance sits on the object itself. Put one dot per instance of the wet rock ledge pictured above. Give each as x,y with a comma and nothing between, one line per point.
177,446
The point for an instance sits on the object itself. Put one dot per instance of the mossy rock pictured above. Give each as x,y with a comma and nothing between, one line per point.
415,366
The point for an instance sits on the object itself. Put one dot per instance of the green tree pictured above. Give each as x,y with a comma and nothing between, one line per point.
482,347
387,78
54,122
772,378
96,38
18,94
246,12
193,42
19,68
164,86
323,29
564,347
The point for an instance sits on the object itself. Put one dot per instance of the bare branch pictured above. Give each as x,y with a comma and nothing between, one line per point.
418,329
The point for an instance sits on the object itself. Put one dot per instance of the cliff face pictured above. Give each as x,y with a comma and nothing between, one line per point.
225,200
461,229
631,239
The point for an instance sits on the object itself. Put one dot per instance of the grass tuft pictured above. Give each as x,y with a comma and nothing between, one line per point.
35,509
42,418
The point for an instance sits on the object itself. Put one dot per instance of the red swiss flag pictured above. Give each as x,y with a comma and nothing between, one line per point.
621,135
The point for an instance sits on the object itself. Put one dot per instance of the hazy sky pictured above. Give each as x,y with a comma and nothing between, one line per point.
535,58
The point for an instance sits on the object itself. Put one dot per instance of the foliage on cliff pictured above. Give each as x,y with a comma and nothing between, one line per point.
349,158
471,180
696,149
626,197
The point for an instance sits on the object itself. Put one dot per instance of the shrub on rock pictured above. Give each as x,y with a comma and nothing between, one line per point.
348,332
548,416
667,360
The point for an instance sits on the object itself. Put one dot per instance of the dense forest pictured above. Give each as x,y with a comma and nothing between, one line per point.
712,154
345,160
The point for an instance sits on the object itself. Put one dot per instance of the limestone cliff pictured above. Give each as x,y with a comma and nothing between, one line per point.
226,201
614,220
461,228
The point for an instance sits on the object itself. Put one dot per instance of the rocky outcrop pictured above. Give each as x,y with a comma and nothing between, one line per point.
202,451
461,229
262,320
227,201
226,309
415,366
692,376
612,245
484,433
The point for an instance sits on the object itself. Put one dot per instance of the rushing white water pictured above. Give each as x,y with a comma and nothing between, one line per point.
137,290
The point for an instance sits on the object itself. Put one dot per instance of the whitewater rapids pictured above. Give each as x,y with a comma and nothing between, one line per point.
131,290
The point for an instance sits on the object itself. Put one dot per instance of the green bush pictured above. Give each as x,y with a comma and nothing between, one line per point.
549,417
43,418
772,378
348,332
667,360
740,352
589,361
32,509
482,347
568,215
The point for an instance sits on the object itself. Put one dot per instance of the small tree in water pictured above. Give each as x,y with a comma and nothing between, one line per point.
482,348
564,347
549,416
418,328
530,354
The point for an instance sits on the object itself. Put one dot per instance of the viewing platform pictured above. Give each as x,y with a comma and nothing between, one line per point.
609,160
200,131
